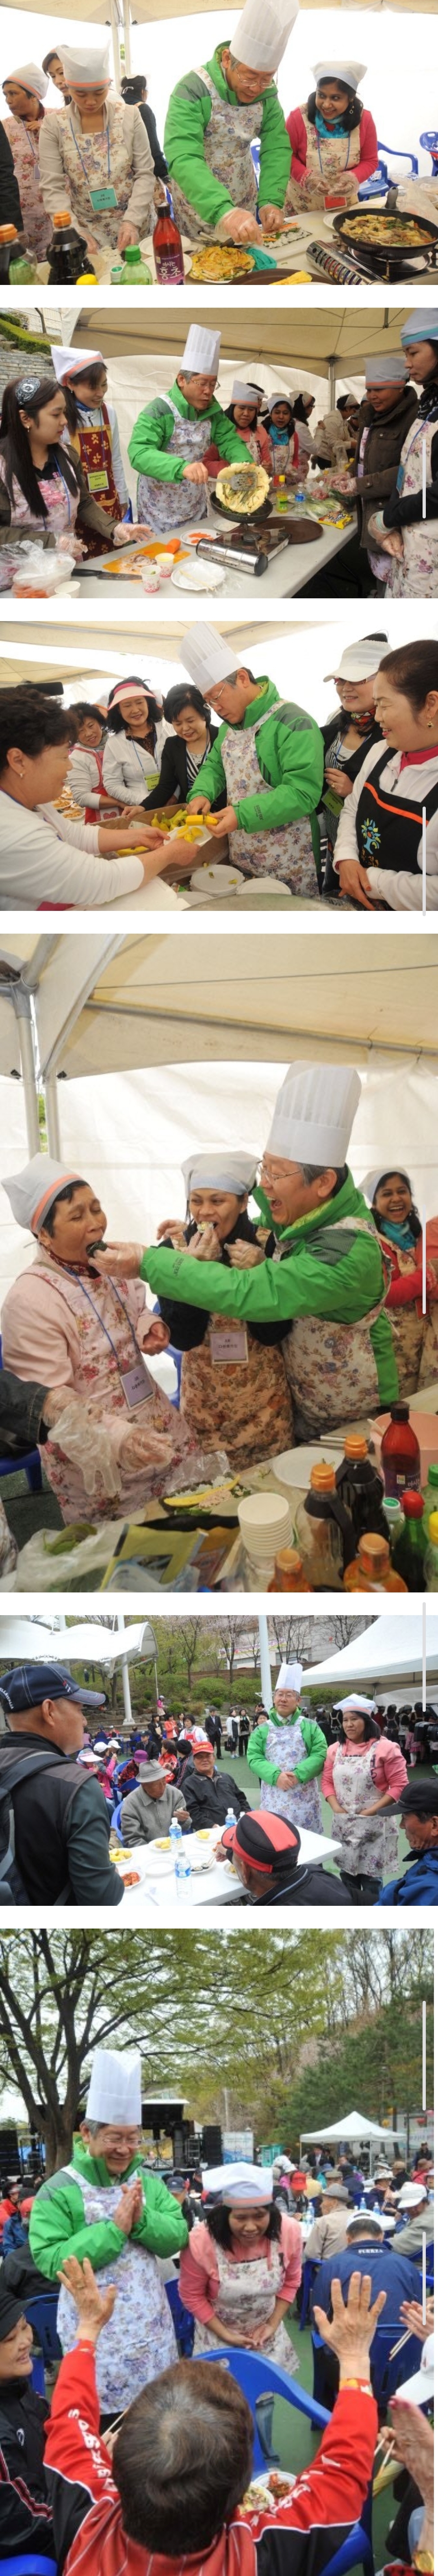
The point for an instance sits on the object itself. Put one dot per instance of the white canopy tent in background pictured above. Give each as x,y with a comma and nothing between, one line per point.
353,2131
130,1034
31,1641
392,1647
296,656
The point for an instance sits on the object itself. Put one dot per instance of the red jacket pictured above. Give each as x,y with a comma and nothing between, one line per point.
301,2535
363,169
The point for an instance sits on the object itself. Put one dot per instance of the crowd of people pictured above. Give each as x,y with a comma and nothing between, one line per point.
70,1796
326,810
145,2455
97,153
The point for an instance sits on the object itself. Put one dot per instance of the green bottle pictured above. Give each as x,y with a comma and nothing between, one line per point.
431,1496
135,271
410,1547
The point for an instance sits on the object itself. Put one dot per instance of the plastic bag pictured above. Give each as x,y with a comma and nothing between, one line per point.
8,1549
108,1452
40,569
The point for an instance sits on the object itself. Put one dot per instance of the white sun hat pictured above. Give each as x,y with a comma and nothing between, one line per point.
202,351
419,2390
314,1114
74,362
30,77
114,2092
409,2195
360,661
262,33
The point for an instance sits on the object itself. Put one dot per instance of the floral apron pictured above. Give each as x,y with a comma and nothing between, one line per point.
94,161
302,1806
98,1380
327,157
227,149
245,2298
139,2341
61,505
171,505
284,852
38,225
95,450
416,575
331,1367
368,1843
235,1393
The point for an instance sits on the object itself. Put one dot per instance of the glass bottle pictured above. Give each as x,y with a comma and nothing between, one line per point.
410,1547
400,1453
360,1486
167,248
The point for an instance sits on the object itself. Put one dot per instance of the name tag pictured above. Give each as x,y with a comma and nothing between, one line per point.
98,482
227,1348
136,1386
102,197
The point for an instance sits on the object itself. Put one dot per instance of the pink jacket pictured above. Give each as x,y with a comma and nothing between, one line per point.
363,169
389,1765
199,2277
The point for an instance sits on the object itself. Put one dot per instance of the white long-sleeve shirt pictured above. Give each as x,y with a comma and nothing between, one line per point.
396,886
83,776
36,866
129,770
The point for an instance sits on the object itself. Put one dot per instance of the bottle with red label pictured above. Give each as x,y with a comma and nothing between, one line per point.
400,1454
167,248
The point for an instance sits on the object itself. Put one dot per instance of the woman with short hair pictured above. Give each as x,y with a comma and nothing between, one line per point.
185,747
240,2272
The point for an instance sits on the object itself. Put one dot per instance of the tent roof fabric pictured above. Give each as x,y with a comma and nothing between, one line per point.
147,11
38,659
392,1644
317,334
90,1642
353,2127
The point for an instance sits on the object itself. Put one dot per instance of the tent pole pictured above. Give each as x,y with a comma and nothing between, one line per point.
115,44
28,1073
127,37
52,1117
265,1665
331,380
125,1672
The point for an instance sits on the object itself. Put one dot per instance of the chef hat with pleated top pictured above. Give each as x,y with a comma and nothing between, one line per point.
207,657
33,1191
421,325
202,352
74,362
220,1171
387,367
85,70
348,73
290,1677
314,1113
114,2092
241,2182
30,77
260,38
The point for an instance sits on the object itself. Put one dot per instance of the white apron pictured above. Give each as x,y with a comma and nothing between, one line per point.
301,1806
331,1367
227,149
246,2296
139,2341
368,1843
416,575
286,851
168,505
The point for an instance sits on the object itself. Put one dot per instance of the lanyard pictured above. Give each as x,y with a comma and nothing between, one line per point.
80,1283
78,149
148,755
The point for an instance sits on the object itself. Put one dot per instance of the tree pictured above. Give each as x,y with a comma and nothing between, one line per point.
293,1638
230,1632
189,1632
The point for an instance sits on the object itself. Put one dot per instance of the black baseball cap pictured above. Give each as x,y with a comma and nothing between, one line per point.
11,2312
419,1798
28,1684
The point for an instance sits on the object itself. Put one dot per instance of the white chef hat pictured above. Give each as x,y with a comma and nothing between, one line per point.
360,661
243,393
290,1677
85,70
202,352
114,2092
420,325
74,362
372,1180
30,77
364,1707
314,1113
32,1192
241,2182
388,367
207,657
262,32
348,73
221,1171
420,2388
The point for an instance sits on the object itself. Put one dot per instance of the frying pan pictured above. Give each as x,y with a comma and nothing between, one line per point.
386,259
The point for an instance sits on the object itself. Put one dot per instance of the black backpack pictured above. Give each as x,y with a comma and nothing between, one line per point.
12,1887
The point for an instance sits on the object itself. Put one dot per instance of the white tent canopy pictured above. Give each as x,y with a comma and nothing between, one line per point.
353,2128
28,1640
393,1644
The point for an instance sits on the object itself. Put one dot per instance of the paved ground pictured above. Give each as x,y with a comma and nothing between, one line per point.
239,1770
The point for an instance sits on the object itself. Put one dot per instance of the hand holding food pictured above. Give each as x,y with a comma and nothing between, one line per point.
272,218
237,226
244,1256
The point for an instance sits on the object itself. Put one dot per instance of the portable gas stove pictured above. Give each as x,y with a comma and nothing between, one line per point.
250,544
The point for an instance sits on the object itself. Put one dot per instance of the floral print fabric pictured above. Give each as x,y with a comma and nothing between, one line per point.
246,2298
171,505
368,1845
139,2341
300,1806
37,224
416,575
286,852
227,148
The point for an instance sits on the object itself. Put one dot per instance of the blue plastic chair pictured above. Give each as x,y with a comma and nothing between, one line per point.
387,2374
429,143
29,1460
410,157
308,2277
115,1821
183,2321
259,2378
177,1357
41,2314
29,2565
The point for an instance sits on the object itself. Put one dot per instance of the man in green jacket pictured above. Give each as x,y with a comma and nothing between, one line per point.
105,2205
269,757
325,1273
213,117
287,1753
171,438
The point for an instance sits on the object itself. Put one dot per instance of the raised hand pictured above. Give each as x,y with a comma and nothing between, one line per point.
353,2325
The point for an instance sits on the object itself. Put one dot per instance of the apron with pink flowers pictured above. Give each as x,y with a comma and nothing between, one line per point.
104,1326
286,850
301,1806
368,1843
61,506
415,576
331,1367
172,505
227,149
327,157
246,2298
139,2340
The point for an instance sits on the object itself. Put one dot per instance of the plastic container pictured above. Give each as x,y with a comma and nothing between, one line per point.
135,271
175,1835
183,1872
265,1526
360,1487
289,1572
280,494
67,253
400,1454
230,1817
318,1530
17,263
166,565
149,575
371,1570
393,1515
116,272
167,248
431,1557
410,1546
430,1500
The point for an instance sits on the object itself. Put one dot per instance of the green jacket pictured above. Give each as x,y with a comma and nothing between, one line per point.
290,754
313,1739
320,1272
154,429
188,115
58,2226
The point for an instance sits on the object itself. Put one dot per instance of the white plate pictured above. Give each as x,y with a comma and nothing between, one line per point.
216,880
198,575
157,1864
294,1466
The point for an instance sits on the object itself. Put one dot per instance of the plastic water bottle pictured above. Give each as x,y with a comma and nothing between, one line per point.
175,1835
183,1871
230,1817
300,499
